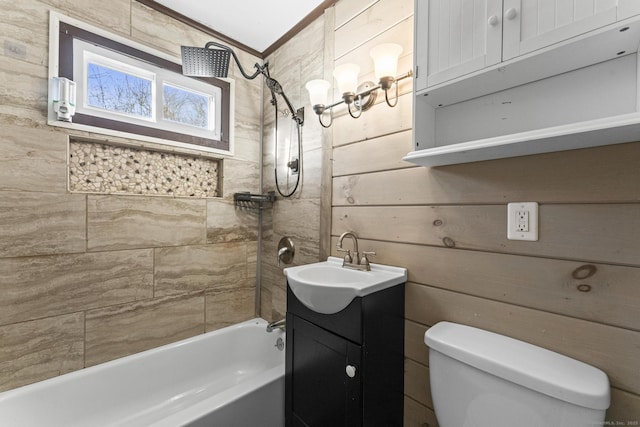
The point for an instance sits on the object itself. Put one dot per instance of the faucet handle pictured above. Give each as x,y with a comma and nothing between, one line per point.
347,256
365,260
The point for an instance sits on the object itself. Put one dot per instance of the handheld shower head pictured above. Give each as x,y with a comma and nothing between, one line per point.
274,86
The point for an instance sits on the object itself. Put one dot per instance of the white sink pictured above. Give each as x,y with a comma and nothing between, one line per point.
327,287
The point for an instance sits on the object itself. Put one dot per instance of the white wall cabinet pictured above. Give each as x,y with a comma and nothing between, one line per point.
532,25
463,36
503,78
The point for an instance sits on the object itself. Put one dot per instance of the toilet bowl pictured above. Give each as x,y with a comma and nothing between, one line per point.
482,379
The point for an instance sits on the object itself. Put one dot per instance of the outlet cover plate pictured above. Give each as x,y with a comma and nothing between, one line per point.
522,216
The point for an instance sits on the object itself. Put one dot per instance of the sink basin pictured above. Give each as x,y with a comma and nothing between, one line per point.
327,287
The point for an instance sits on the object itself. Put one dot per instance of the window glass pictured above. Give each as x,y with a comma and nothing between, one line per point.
119,92
186,106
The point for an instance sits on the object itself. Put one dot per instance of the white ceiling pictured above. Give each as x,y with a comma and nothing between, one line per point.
254,23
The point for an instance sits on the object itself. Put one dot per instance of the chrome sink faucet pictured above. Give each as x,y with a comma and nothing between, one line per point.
353,261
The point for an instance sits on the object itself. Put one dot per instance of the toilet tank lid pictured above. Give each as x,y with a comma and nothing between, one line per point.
530,366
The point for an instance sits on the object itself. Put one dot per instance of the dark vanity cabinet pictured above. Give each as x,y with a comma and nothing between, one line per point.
346,369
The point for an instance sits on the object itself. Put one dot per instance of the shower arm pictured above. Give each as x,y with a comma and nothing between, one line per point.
235,58
272,84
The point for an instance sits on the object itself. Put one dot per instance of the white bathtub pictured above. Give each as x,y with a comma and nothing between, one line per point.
232,377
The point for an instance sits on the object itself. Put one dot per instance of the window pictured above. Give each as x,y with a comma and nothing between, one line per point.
124,89
112,87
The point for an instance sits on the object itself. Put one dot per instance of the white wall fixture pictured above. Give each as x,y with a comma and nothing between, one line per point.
63,96
359,98
522,221
536,84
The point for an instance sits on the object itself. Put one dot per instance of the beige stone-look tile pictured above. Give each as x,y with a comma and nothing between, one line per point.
252,260
26,26
153,28
40,349
32,159
128,222
265,304
229,223
41,223
279,301
194,268
125,329
240,176
298,218
114,15
229,305
24,87
35,287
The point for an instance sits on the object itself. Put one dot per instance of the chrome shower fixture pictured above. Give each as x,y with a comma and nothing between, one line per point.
205,62
213,59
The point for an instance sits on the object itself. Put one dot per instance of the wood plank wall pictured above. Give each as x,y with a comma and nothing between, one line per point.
575,291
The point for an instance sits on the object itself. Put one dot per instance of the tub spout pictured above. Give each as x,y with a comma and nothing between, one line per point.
280,324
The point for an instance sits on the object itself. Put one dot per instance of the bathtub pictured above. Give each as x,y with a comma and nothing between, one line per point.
232,377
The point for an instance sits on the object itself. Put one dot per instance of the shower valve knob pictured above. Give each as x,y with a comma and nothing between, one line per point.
293,165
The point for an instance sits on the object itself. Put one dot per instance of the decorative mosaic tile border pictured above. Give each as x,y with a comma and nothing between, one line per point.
109,169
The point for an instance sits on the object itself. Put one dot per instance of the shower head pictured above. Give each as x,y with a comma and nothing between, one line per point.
214,62
205,62
274,86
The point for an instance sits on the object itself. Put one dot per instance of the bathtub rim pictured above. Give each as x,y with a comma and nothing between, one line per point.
186,414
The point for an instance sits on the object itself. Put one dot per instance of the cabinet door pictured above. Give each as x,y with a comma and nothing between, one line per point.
463,36
628,8
530,25
321,393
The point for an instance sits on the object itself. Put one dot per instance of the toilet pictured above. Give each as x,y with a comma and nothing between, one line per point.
482,379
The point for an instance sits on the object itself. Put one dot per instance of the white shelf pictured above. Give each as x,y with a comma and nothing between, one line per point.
593,133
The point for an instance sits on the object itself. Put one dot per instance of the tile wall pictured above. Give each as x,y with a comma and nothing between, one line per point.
296,62
89,277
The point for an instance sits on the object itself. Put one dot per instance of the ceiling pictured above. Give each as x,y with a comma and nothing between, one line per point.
257,24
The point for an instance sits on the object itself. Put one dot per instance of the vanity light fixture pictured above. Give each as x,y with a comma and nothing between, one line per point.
359,98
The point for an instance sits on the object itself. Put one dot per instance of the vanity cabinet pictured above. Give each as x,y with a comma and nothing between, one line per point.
506,78
346,369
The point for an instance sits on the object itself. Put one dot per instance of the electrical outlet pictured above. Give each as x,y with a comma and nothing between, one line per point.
522,221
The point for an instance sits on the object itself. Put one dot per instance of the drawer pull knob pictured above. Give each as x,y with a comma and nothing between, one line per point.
351,371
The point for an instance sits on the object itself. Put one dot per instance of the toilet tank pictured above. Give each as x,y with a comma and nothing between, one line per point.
482,379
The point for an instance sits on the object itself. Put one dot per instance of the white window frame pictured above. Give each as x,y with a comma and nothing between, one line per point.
136,66
104,58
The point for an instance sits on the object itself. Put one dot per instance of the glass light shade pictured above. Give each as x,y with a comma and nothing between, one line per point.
318,91
385,59
346,76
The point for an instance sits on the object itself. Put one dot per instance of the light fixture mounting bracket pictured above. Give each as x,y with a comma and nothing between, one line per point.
366,98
